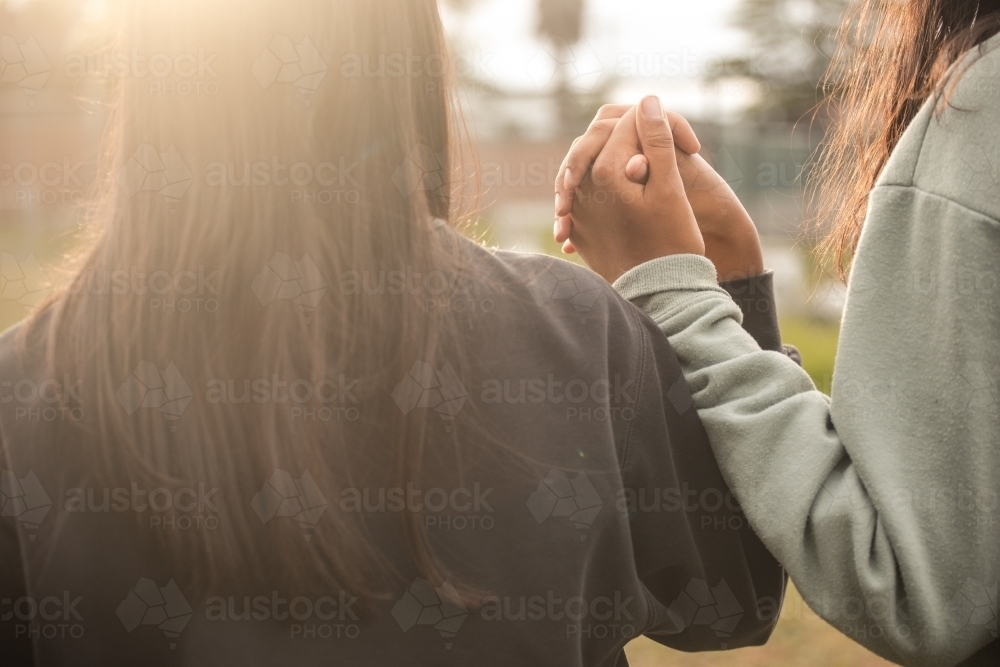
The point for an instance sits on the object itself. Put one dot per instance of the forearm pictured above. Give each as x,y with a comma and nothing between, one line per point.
774,438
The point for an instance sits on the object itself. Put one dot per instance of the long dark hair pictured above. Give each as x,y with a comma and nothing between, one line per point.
892,56
283,95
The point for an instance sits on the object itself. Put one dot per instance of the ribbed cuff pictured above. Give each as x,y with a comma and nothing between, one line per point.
755,297
687,273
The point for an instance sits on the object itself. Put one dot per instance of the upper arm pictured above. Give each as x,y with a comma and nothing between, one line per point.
959,156
690,537
915,394
862,504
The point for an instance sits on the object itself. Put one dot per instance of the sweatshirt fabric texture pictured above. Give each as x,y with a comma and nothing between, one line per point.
579,529
881,500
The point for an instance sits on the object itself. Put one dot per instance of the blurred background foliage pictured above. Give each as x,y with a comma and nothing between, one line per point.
749,104
791,45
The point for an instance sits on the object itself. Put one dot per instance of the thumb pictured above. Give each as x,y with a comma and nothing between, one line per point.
637,169
657,142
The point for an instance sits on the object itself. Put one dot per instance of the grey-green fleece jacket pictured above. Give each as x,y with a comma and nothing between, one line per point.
881,501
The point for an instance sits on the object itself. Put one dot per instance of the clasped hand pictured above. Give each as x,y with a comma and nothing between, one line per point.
633,189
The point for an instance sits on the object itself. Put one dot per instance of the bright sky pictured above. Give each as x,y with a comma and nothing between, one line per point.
655,46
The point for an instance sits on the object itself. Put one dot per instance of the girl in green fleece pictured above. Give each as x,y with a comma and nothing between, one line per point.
881,500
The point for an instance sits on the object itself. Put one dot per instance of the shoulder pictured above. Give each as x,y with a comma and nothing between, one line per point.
22,358
557,283
12,344
959,156
20,379
550,286
553,311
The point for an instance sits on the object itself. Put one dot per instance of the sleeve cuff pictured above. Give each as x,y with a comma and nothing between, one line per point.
755,297
686,273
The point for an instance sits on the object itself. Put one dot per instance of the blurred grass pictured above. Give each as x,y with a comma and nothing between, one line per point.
817,342
801,639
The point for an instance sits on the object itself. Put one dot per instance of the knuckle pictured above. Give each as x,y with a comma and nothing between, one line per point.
601,126
584,154
610,111
573,161
659,139
576,163
603,172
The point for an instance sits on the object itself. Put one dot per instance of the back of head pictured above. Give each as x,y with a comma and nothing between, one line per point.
891,57
249,200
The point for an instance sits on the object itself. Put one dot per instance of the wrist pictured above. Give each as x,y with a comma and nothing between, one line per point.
612,269
735,256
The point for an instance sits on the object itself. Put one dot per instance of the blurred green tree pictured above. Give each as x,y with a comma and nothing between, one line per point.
791,42
560,22
560,25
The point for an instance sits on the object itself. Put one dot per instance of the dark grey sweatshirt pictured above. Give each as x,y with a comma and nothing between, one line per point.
622,525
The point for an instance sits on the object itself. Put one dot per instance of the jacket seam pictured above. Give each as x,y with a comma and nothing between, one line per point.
626,446
943,198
